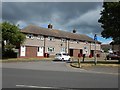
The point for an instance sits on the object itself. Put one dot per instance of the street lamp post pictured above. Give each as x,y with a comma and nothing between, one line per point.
95,58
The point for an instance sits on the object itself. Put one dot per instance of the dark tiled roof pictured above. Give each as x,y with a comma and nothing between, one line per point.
56,33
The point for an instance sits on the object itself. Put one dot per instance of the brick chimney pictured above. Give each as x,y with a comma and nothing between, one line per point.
50,26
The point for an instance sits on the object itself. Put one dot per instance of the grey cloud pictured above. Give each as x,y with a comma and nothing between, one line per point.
63,15
0,9
58,0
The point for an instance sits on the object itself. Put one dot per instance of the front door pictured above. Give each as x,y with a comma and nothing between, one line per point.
71,52
81,51
40,51
22,50
92,53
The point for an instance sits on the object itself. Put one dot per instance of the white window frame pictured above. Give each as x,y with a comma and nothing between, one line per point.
77,42
63,40
51,38
92,44
52,49
40,37
27,36
63,49
30,36
71,41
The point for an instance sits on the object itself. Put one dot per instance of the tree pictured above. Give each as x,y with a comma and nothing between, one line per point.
110,21
11,36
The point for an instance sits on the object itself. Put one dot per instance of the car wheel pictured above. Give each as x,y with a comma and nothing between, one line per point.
62,59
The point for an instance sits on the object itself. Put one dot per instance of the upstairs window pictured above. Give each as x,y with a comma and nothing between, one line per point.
72,41
30,36
92,44
40,37
77,42
63,40
50,38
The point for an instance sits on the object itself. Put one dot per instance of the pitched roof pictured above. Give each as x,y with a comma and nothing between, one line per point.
56,33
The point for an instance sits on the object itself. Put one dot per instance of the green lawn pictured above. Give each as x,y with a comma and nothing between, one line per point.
89,62
23,59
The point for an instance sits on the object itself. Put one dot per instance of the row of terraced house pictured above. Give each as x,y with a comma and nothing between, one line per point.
48,40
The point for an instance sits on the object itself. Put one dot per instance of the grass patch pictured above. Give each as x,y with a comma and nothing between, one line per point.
89,63
23,59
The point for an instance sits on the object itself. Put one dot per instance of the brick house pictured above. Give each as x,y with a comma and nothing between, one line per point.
48,40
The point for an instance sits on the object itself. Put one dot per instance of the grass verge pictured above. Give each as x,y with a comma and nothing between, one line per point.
90,63
24,59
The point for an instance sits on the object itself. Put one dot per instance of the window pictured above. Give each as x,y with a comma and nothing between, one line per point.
63,49
40,37
77,42
27,36
58,54
50,49
85,42
71,41
85,47
63,40
65,54
92,44
30,36
51,38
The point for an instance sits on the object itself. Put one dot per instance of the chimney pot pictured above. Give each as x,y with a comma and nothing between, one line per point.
74,31
50,26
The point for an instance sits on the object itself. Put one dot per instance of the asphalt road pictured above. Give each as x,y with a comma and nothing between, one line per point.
27,78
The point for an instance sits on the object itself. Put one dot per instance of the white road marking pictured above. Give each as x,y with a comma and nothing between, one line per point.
31,86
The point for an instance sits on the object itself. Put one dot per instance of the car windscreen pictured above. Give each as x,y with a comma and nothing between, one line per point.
58,54
65,54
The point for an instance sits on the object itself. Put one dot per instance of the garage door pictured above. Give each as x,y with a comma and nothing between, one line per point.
31,51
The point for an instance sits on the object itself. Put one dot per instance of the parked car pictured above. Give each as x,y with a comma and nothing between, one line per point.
112,56
62,56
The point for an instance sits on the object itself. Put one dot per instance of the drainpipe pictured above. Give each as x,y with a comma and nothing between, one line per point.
44,43
66,46
90,49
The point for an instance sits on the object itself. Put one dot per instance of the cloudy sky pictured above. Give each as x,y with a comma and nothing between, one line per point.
82,16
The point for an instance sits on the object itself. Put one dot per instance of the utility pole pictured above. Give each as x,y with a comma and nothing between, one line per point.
95,58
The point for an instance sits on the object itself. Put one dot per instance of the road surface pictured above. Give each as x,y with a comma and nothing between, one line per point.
23,77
